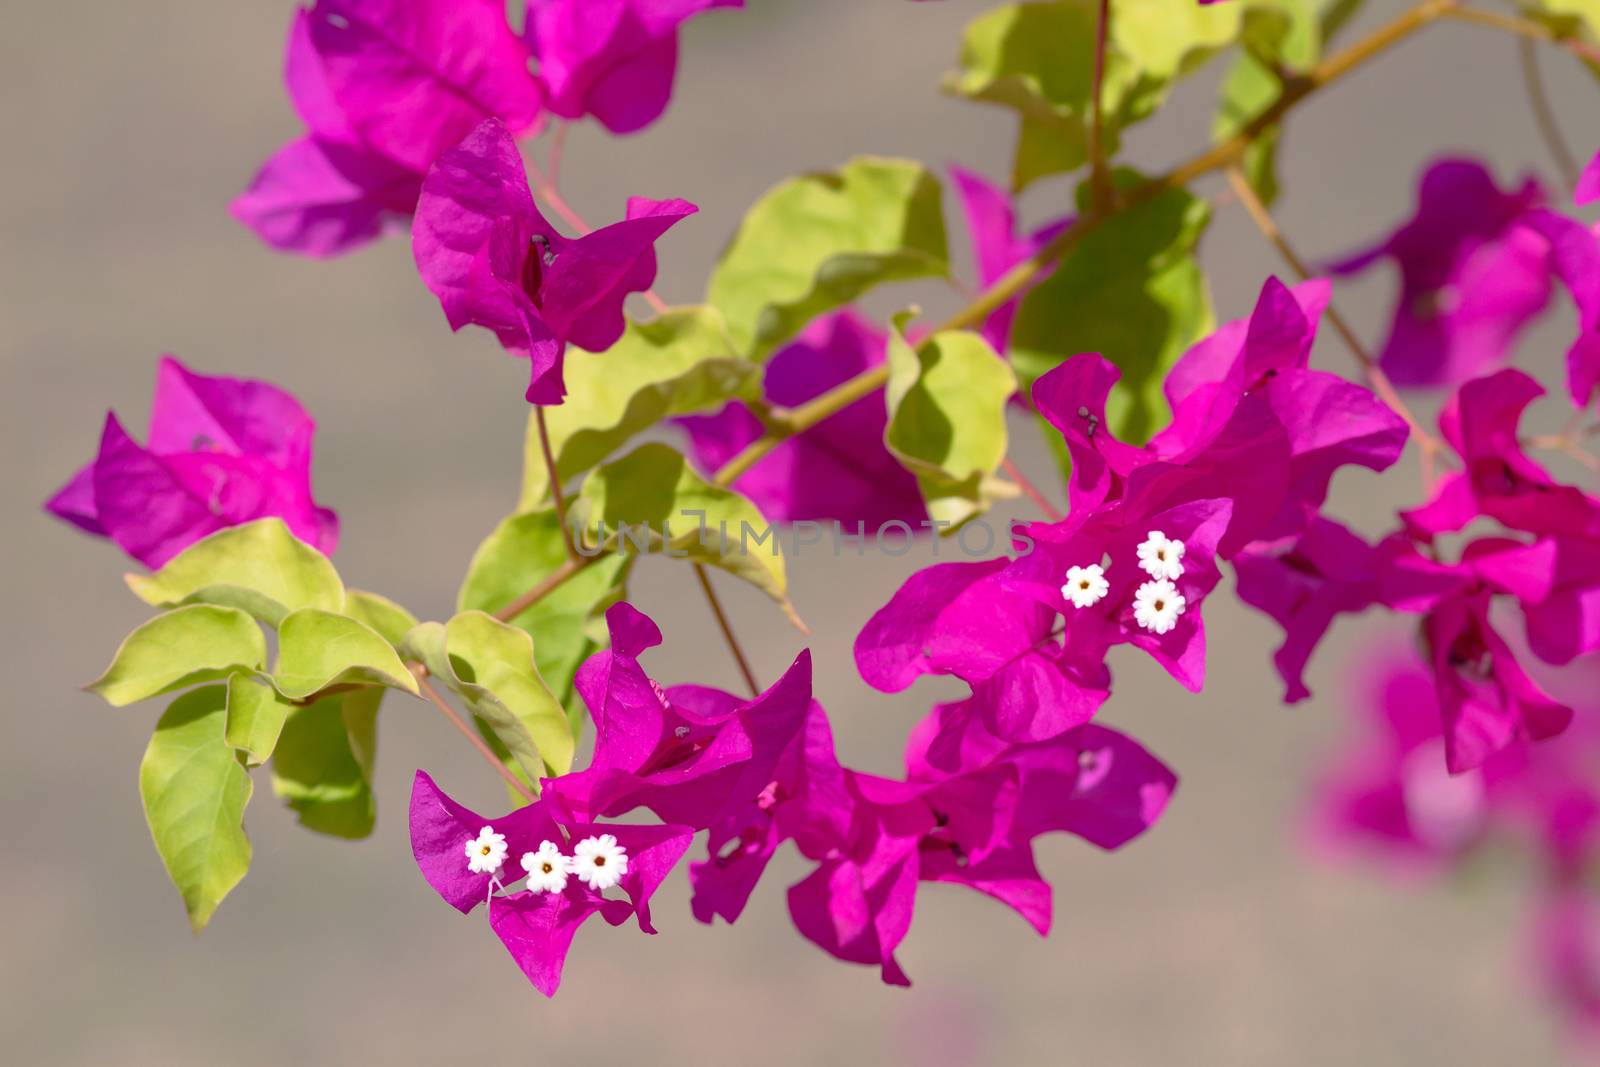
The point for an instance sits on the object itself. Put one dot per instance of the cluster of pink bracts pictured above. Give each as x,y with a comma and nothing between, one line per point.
1467,739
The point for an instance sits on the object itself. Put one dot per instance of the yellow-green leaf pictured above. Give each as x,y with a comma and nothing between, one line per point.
194,791
259,567
947,417
256,714
322,766
565,627
183,647
1131,290
654,495
817,242
391,620
318,649
679,363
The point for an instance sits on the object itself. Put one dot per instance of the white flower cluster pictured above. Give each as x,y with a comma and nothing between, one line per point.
598,862
1157,603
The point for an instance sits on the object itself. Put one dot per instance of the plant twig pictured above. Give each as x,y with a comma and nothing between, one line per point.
556,492
1099,177
1534,31
558,142
1030,490
1544,115
546,585
727,629
433,697
1429,445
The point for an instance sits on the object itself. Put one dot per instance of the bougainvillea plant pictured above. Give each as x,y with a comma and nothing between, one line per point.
1196,459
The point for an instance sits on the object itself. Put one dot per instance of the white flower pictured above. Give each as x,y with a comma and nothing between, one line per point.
487,852
1157,605
1085,585
547,869
599,862
1161,557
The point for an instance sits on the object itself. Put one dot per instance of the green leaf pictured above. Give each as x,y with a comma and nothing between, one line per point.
947,417
1248,90
316,769
1037,59
522,551
491,666
391,620
318,649
1568,18
817,242
494,663
255,717
1165,40
183,647
658,497
1283,32
259,567
194,792
678,363
1277,34
1130,290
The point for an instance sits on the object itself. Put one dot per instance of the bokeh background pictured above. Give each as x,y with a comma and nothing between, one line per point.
1215,940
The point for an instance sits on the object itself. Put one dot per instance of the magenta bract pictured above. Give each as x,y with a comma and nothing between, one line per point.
383,87
221,451
613,59
1472,275
485,250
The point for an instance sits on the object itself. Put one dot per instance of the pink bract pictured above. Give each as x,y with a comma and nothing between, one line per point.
489,255
221,451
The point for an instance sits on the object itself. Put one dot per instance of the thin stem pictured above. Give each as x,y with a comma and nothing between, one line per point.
558,142
1011,284
1429,445
554,476
471,735
1030,490
1543,114
1564,445
727,629
1099,177
1534,31
546,585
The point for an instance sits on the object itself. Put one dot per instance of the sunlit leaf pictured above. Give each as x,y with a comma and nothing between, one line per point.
1038,60
817,242
1131,290
391,620
947,417
183,647
523,551
679,363
259,567
318,649
491,666
665,506
256,714
194,791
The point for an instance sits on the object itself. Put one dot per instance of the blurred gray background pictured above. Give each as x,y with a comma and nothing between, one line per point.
1215,940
